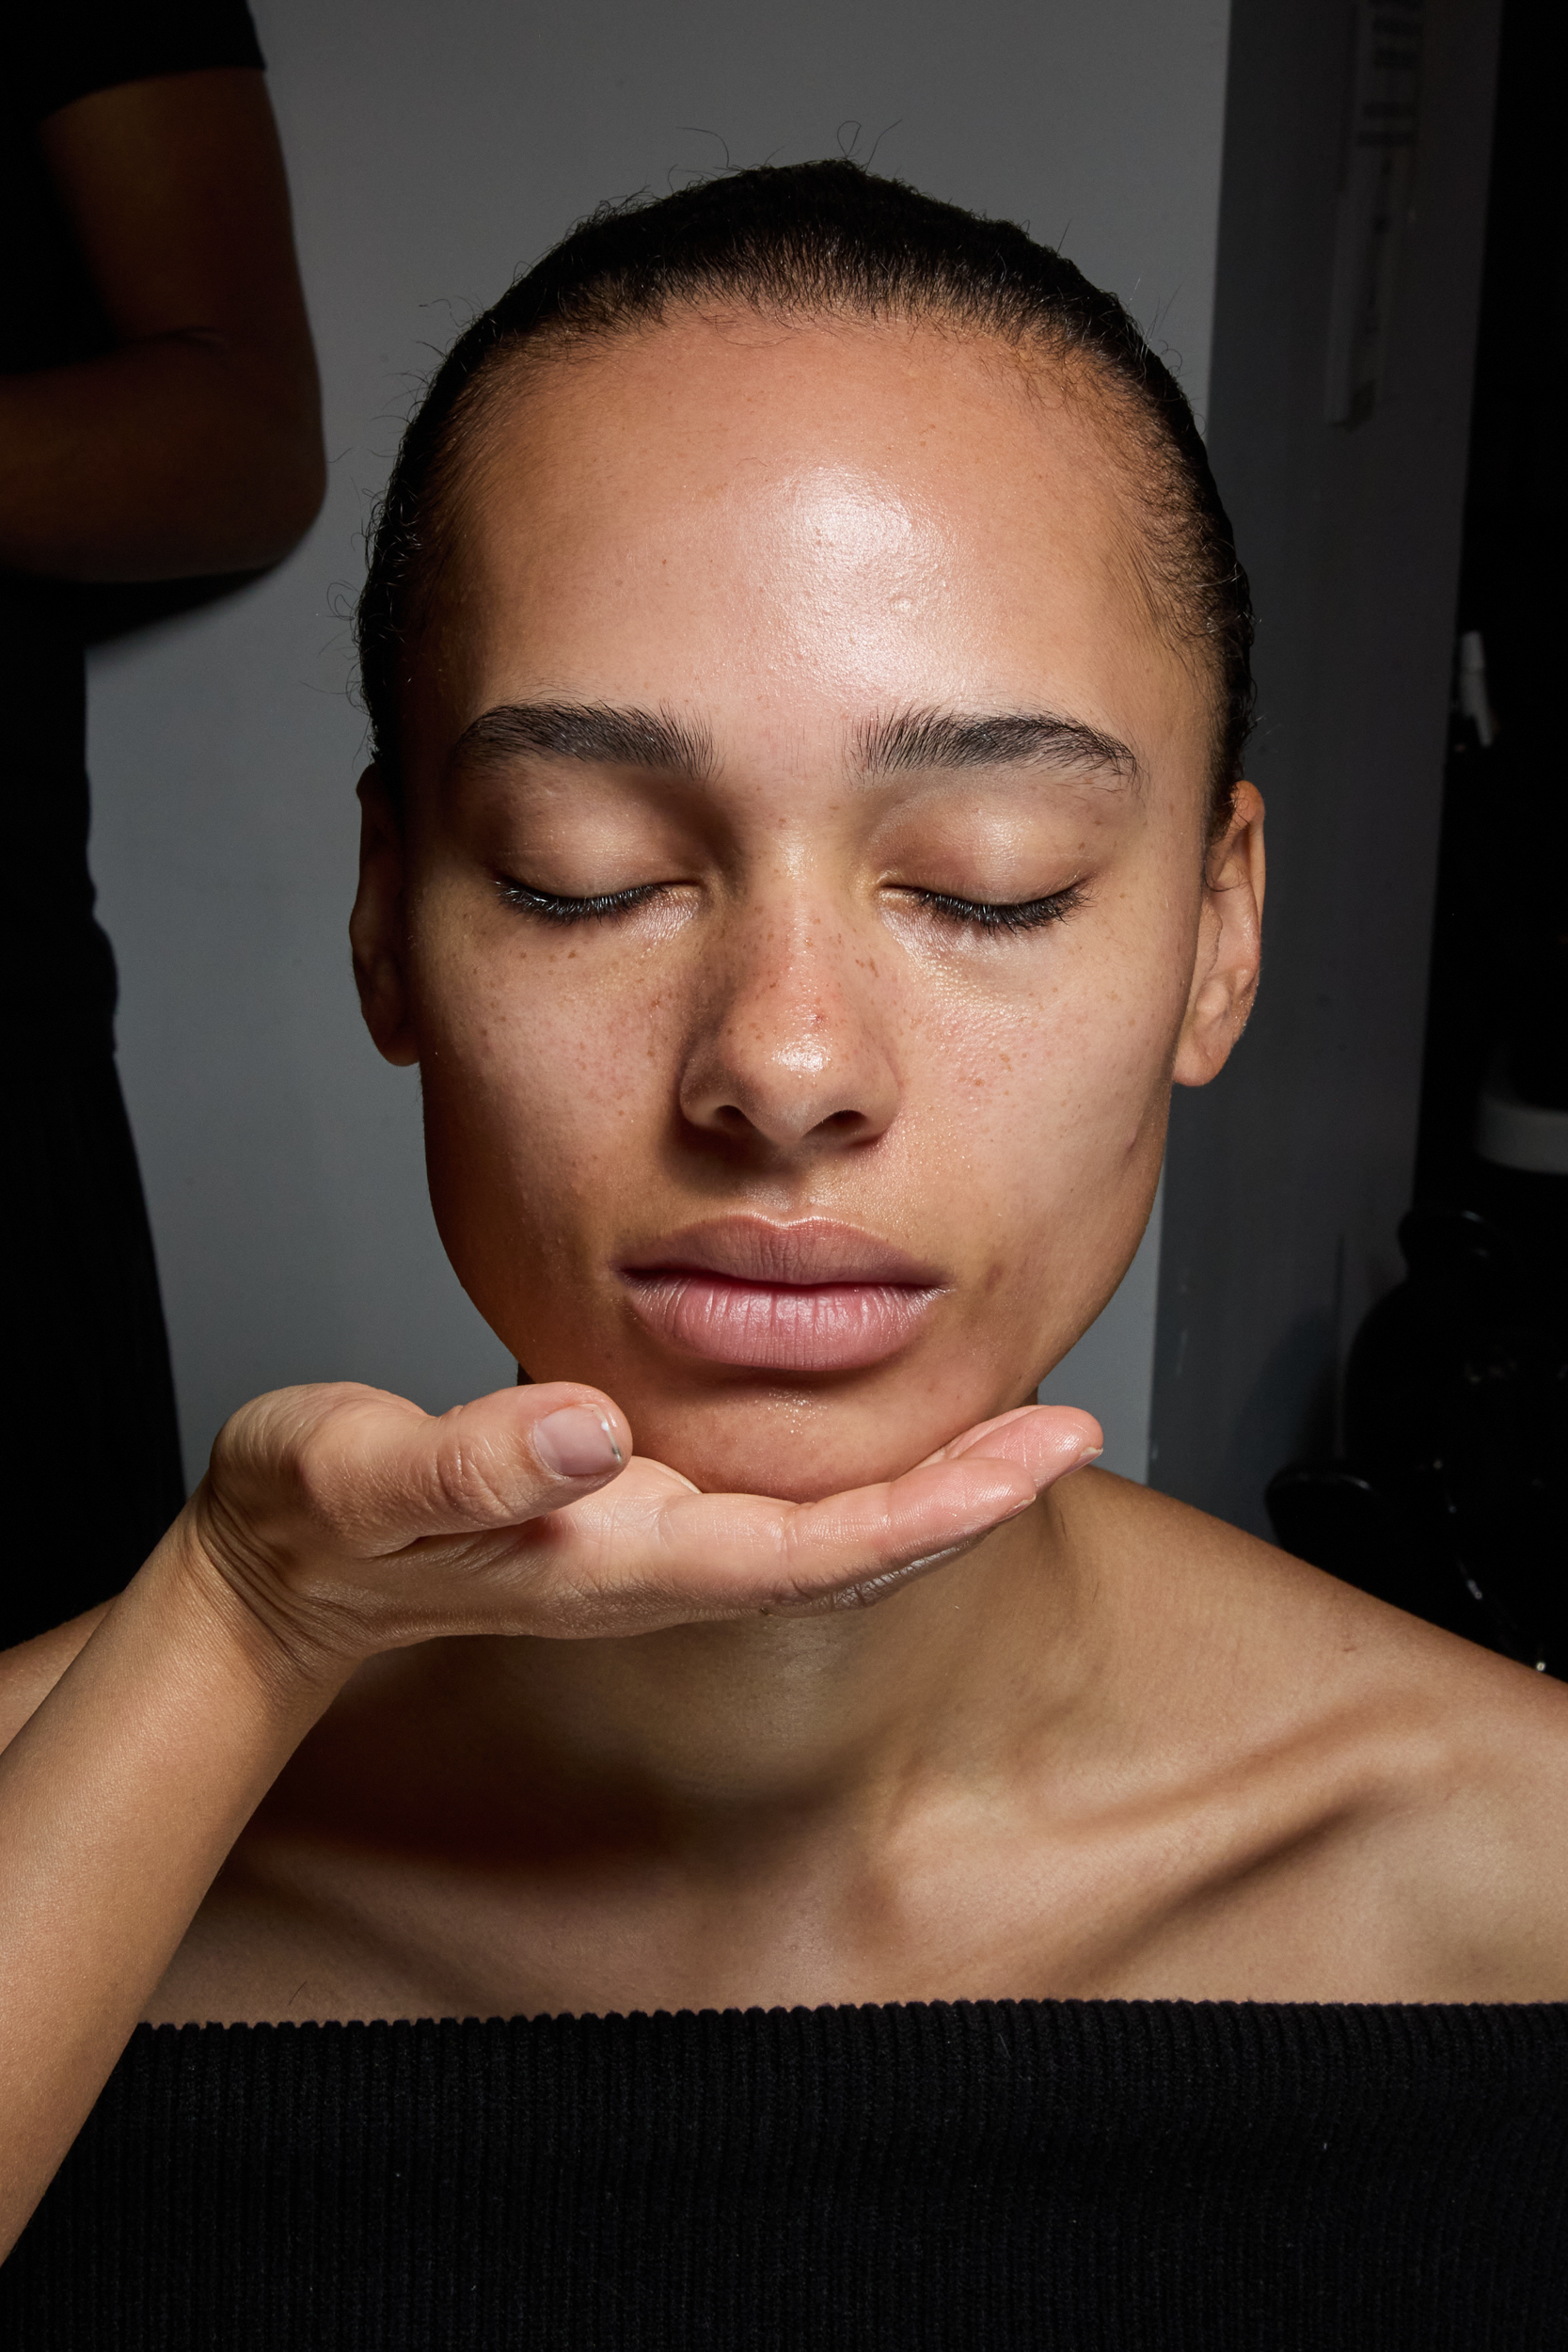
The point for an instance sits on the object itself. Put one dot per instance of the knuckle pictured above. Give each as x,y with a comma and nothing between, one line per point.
312,1468
470,1483
818,1573
813,1551
798,1583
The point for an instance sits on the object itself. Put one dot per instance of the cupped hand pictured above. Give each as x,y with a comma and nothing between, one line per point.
350,1522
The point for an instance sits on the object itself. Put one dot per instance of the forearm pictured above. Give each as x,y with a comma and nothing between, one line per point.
119,1803
163,460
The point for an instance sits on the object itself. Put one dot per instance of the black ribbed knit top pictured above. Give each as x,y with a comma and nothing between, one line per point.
1066,2176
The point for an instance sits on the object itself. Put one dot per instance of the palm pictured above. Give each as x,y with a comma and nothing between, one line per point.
651,1550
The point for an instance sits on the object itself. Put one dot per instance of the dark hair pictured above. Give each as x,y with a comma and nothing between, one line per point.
812,240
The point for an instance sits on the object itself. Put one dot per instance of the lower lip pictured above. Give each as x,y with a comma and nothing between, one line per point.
775,1327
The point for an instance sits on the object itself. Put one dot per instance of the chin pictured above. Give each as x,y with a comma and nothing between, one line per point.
802,1443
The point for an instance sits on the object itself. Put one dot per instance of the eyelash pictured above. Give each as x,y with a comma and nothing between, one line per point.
981,915
1016,915
551,909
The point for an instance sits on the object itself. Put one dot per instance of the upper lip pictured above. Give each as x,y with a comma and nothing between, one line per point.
811,1251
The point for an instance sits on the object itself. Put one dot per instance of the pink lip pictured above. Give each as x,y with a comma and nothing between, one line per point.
812,1297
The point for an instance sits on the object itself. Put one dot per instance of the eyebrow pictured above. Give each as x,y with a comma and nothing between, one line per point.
596,734
612,735
945,738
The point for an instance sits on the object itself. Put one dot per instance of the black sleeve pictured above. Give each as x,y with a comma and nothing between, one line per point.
62,49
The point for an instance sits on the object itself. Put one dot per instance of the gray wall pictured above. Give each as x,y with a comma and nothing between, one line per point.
433,150
1286,1180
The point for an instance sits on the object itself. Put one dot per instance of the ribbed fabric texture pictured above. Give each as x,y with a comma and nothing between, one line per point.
994,2174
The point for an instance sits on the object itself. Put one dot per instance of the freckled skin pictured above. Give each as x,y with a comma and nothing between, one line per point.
783,535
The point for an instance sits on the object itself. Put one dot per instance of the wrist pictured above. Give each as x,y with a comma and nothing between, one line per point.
296,1670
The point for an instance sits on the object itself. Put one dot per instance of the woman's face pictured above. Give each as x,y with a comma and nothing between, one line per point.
798,910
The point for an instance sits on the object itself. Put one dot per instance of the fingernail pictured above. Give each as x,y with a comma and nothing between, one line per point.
576,1443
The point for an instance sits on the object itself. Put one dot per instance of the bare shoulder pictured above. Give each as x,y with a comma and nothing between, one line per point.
1422,1781
29,1672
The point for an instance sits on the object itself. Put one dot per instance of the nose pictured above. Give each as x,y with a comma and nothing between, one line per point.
791,1052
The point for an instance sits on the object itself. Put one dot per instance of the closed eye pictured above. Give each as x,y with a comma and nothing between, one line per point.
981,915
1006,914
551,907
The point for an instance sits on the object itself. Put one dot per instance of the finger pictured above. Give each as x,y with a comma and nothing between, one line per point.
506,1458
1049,1440
731,1554
383,1475
954,1446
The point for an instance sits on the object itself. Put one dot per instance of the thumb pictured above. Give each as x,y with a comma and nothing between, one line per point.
378,1473
508,1458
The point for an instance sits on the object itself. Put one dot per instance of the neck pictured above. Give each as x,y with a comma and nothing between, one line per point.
694,1732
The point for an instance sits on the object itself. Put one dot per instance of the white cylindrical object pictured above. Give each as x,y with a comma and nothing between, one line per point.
1513,1133
1474,701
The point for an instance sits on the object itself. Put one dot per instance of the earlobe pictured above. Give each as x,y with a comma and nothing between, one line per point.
376,927
1229,943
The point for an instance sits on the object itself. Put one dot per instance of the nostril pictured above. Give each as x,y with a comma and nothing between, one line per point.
732,1120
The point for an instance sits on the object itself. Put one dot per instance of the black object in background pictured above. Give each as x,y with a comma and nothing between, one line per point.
92,1445
98,1475
1450,1497
1498,994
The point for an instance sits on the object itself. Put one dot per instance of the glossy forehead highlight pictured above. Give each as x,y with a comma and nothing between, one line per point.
516,504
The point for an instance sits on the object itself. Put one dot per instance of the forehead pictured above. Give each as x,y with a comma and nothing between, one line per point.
814,520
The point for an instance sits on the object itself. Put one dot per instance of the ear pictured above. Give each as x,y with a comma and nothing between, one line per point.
1229,945
376,927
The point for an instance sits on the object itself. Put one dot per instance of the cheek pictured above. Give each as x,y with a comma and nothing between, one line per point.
545,1077
1050,1128
1062,1082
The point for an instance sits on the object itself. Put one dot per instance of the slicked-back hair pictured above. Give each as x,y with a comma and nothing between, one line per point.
822,241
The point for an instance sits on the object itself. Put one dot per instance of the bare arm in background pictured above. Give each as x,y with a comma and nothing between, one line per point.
195,446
